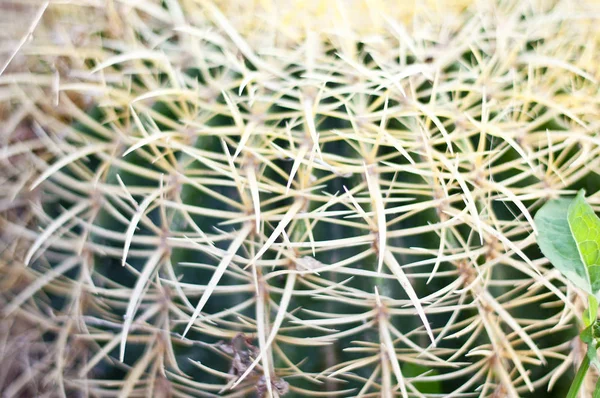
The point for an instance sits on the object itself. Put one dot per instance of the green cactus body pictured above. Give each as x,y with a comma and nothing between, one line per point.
198,204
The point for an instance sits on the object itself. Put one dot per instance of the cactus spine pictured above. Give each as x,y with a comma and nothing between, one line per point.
329,200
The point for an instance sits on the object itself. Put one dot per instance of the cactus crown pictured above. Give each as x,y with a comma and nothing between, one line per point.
336,201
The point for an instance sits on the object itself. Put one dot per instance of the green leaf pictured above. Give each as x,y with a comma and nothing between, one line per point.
589,316
597,390
579,376
585,227
587,335
591,354
557,242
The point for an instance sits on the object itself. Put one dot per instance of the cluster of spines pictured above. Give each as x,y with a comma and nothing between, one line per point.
367,202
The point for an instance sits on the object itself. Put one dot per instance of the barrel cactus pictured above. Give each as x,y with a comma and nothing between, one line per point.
291,198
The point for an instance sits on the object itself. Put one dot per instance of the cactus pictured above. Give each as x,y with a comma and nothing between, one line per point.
283,199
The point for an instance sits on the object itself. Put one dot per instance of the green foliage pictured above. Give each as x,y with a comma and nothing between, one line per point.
569,235
570,238
585,227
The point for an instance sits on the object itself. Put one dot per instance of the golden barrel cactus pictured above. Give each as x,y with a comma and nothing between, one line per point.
303,198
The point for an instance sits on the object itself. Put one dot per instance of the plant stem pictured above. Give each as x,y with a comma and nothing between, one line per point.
597,390
578,380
